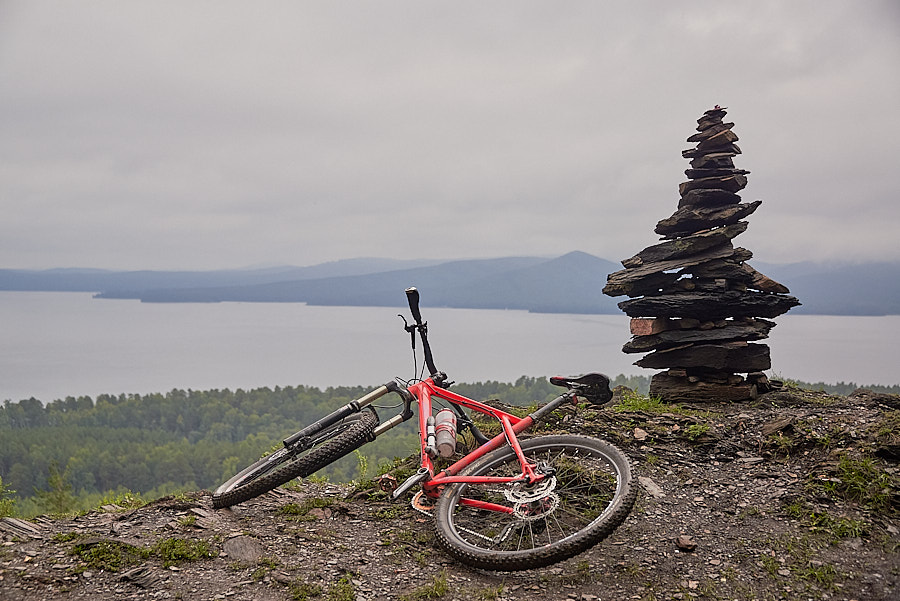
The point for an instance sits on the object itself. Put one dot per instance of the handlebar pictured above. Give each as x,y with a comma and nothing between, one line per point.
412,295
439,378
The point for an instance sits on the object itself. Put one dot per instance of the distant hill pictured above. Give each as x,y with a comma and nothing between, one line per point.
571,283
864,289
131,282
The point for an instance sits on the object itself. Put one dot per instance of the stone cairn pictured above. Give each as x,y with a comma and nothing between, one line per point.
696,306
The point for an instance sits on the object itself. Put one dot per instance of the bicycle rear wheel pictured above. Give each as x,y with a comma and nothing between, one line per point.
284,465
586,494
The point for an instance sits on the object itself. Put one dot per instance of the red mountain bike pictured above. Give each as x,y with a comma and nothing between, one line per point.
509,503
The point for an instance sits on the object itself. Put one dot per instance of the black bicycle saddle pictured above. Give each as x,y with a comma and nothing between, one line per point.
594,386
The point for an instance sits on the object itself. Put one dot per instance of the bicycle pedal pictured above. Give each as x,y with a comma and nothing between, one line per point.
387,483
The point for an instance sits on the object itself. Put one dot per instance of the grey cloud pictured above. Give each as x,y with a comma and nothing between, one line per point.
200,135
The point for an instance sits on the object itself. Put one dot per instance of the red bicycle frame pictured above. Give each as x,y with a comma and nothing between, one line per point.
433,483
421,392
511,424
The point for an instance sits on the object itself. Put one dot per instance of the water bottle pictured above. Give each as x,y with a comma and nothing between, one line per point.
445,432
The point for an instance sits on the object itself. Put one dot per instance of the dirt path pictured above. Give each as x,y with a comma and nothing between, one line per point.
794,496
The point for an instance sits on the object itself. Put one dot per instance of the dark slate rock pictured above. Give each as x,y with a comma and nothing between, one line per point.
755,329
691,153
721,139
723,172
243,549
715,160
710,118
708,132
729,183
685,390
691,219
734,357
729,269
686,246
710,305
765,283
627,281
708,197
652,283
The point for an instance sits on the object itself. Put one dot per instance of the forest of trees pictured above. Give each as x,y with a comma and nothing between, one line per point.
159,444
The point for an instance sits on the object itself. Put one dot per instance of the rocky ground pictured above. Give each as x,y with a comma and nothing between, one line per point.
791,496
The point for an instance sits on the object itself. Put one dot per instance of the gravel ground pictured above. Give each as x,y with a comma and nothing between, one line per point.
791,496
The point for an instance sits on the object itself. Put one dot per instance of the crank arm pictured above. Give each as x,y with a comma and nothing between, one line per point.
417,478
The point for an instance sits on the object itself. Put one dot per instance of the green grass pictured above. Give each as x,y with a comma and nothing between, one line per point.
113,555
834,528
782,443
7,502
822,575
108,555
125,499
860,480
342,590
489,593
177,550
633,401
888,428
300,512
695,431
436,589
301,590
263,566
389,513
770,564
65,537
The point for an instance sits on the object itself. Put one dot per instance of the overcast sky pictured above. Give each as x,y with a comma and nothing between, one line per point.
198,135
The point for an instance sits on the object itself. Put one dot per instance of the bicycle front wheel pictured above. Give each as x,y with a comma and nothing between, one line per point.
284,465
587,493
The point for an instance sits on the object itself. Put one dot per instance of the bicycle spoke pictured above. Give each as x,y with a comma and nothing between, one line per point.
585,487
584,492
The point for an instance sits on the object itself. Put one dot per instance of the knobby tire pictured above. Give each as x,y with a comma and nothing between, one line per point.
591,496
283,465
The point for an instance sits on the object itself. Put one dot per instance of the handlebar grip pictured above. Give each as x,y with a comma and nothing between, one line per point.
412,295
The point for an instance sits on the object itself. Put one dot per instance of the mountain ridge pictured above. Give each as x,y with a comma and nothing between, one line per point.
571,283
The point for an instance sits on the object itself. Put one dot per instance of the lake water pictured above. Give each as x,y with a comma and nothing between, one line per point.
59,344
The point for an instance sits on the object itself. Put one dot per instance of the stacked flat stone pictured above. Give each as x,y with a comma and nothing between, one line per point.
697,306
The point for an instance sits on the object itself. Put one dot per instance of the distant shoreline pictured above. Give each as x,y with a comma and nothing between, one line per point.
571,283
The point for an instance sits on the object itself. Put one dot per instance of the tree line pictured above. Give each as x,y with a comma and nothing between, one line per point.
157,444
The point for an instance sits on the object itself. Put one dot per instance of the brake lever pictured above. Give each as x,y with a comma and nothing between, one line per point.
410,329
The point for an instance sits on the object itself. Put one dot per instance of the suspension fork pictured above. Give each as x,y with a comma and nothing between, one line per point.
352,407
